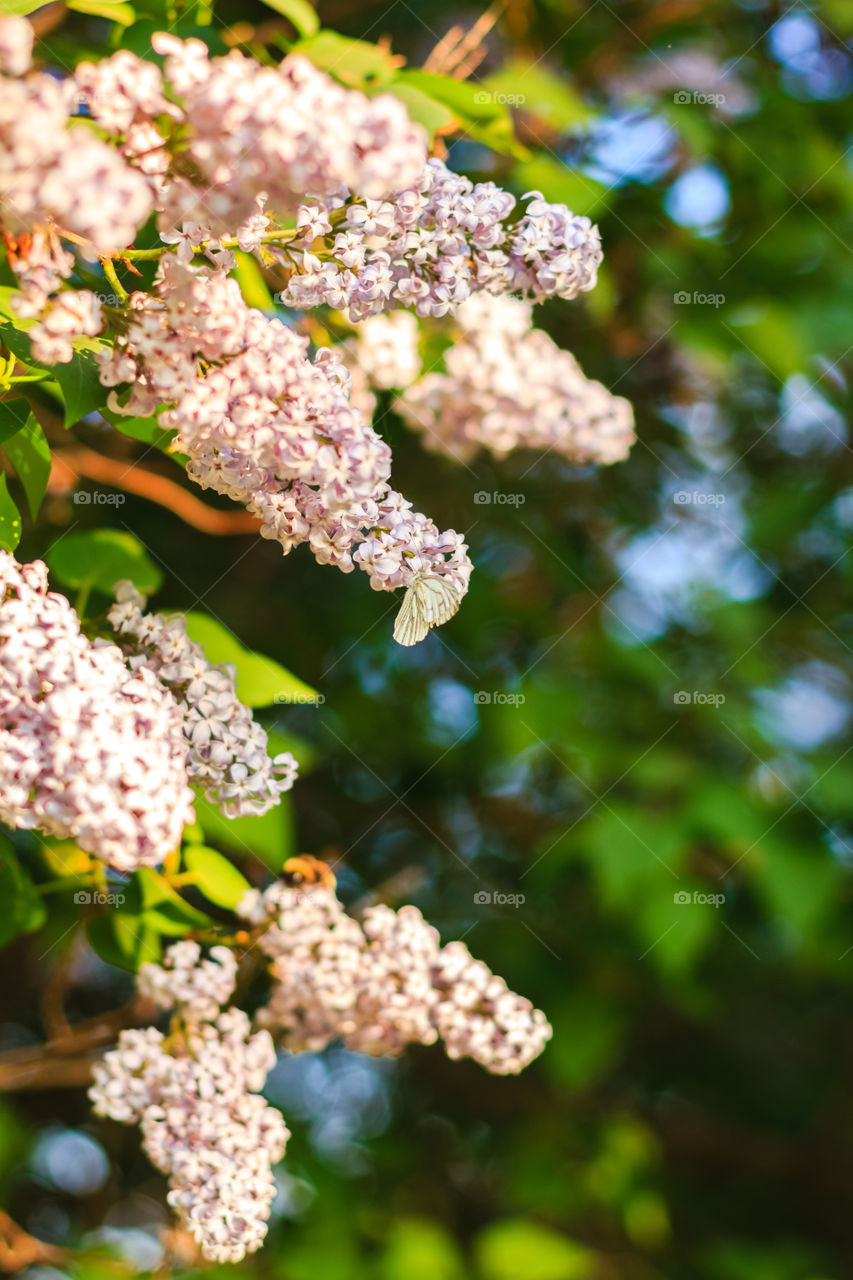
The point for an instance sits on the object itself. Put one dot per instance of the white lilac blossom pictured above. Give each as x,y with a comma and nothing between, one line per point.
16,45
432,245
74,313
386,349
195,1096
200,986
55,173
88,749
226,747
507,386
247,129
384,983
271,428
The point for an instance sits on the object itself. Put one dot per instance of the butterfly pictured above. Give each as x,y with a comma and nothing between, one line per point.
429,601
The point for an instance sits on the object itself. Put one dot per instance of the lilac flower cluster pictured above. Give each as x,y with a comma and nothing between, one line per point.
200,986
50,172
434,244
227,748
386,350
74,313
384,983
508,386
245,129
269,427
88,750
195,1096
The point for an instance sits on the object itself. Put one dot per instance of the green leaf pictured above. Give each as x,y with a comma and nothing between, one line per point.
521,1247
421,1249
353,62
99,558
423,109
478,111
21,6
268,836
540,92
10,519
81,388
260,681
467,101
215,877
123,939
78,378
298,12
558,182
148,430
115,10
29,453
23,909
164,910
13,417
13,334
251,281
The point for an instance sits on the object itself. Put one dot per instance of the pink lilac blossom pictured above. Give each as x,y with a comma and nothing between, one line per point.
507,386
53,173
244,130
196,1099
384,983
16,45
74,313
386,349
227,748
435,243
268,427
88,749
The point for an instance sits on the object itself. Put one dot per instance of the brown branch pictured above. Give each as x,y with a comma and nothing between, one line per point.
68,465
66,1061
18,1249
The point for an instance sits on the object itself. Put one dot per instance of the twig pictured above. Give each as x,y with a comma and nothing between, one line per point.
68,465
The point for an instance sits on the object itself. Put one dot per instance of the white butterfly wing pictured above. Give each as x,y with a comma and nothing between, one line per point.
438,599
410,626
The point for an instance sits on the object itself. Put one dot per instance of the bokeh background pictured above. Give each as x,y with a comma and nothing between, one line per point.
621,774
